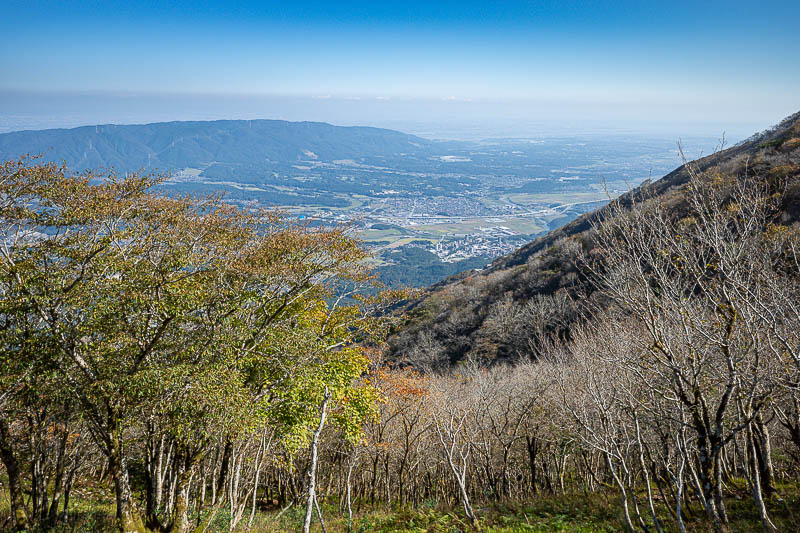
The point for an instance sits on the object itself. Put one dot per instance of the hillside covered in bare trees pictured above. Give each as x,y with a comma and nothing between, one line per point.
650,347
505,311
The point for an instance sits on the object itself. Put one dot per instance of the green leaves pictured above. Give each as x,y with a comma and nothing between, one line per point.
208,319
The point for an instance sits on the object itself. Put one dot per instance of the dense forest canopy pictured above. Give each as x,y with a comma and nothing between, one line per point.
131,320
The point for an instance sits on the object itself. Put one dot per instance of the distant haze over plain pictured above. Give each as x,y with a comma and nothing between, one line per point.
431,118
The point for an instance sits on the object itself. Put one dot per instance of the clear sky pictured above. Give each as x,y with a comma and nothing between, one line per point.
382,62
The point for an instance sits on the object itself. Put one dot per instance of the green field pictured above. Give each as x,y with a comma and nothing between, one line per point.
556,197
379,235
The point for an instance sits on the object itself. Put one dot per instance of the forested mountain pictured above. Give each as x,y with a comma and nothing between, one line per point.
504,311
235,143
187,360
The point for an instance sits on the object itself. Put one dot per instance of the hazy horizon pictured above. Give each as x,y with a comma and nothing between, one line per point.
458,120
445,69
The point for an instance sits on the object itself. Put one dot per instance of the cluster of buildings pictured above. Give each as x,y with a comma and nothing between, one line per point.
489,243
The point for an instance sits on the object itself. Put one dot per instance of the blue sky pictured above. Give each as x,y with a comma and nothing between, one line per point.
659,61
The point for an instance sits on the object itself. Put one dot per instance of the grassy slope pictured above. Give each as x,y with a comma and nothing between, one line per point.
596,512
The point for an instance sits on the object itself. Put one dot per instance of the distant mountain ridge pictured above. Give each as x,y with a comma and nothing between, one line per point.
175,145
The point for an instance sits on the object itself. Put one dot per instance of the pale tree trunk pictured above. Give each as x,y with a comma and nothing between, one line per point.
623,492
678,480
259,461
459,470
462,485
753,465
236,509
350,467
646,472
312,468
763,449
319,514
58,484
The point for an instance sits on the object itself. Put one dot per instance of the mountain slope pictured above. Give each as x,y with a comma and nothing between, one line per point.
506,310
177,145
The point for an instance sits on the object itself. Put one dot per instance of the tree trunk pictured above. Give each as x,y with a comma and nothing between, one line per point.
58,483
350,466
756,481
646,473
154,476
763,449
462,486
622,490
20,520
128,519
532,452
707,473
180,519
312,467
223,471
